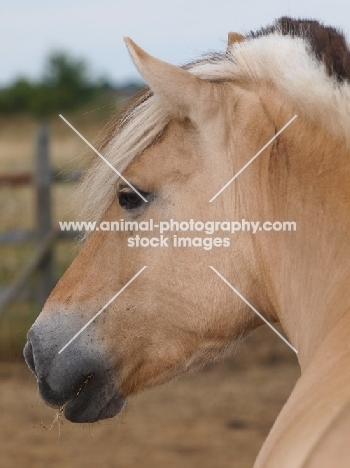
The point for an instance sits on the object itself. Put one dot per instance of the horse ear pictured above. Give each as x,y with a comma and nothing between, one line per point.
179,91
234,37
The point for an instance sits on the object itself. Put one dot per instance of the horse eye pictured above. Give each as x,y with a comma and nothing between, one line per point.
129,199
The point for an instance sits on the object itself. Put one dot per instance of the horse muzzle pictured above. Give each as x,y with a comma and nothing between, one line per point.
79,381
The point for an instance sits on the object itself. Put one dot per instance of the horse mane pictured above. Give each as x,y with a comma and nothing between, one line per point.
328,44
307,62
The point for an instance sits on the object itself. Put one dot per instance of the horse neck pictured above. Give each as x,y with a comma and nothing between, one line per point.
308,271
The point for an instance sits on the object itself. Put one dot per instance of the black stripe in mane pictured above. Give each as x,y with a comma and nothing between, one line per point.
327,43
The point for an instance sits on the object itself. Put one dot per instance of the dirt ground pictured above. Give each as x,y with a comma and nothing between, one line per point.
217,418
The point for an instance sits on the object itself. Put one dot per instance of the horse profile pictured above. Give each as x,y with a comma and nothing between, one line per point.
178,143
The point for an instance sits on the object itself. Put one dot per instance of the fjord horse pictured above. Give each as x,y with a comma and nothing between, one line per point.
178,143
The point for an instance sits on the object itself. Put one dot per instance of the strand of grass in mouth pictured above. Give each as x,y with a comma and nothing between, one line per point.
57,419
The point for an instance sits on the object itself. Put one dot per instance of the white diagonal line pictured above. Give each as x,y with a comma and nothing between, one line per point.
253,309
254,157
101,310
103,158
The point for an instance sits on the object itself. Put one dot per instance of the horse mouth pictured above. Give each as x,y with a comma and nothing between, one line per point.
89,403
89,407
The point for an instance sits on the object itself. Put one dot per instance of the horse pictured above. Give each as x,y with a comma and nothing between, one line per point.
173,148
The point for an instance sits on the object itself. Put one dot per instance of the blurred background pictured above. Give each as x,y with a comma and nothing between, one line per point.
69,57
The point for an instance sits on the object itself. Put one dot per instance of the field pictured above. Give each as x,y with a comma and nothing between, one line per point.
216,418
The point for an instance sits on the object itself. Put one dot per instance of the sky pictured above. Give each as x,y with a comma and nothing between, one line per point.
176,31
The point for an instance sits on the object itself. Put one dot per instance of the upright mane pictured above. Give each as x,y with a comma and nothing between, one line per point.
307,62
327,44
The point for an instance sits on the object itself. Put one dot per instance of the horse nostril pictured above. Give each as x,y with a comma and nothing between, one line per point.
29,356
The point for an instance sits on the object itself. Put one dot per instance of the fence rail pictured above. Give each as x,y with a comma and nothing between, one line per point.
44,235
17,179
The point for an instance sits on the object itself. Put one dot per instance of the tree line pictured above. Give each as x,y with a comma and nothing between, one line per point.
66,83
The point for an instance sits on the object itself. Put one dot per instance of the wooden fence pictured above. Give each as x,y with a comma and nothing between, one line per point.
45,234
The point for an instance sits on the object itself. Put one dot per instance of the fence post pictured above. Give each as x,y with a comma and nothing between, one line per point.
43,180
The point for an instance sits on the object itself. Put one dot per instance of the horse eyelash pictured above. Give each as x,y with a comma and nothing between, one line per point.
127,189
